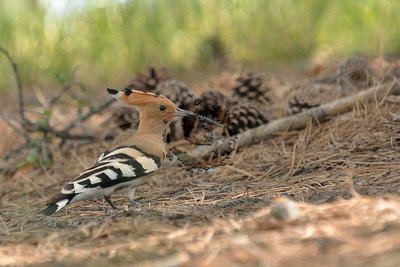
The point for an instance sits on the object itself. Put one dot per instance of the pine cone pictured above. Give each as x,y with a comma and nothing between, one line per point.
148,82
311,95
211,104
126,117
237,116
355,72
243,116
176,91
250,86
123,118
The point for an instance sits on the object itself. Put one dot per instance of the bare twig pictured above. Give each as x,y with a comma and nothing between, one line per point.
87,115
65,89
73,136
12,124
24,120
25,127
60,134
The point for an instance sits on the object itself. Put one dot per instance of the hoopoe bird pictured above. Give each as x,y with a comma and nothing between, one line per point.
121,170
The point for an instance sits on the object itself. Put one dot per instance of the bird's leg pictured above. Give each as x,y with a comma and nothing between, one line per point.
107,199
131,197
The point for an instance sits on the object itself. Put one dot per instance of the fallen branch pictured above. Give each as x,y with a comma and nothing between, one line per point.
299,121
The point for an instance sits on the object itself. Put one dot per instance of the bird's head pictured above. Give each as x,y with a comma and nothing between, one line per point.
153,106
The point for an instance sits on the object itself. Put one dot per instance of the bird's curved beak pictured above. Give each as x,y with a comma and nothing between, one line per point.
187,113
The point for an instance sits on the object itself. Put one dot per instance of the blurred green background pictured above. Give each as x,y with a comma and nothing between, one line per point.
109,40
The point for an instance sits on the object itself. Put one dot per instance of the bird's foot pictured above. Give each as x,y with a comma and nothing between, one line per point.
109,202
134,204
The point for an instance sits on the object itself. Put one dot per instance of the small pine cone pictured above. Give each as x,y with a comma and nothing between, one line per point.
355,72
250,86
123,118
243,116
176,91
311,95
126,117
148,82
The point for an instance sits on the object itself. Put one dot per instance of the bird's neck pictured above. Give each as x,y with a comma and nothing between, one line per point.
150,138
155,129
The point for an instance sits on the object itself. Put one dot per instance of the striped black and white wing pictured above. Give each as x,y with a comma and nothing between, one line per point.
114,171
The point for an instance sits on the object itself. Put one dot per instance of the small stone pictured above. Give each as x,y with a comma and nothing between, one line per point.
285,210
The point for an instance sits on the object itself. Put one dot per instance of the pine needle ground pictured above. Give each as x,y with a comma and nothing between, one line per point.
345,174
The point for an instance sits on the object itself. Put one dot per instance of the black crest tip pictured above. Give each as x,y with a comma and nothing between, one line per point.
128,91
112,91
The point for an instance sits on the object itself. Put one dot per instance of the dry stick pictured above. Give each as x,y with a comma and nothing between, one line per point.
300,120
93,110
64,90
63,134
24,120
12,124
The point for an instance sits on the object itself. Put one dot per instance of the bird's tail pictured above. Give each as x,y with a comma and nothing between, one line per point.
56,206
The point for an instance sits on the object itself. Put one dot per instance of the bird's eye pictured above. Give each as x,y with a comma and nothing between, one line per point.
162,107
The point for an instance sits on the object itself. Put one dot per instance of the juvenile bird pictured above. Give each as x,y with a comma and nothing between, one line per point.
121,170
